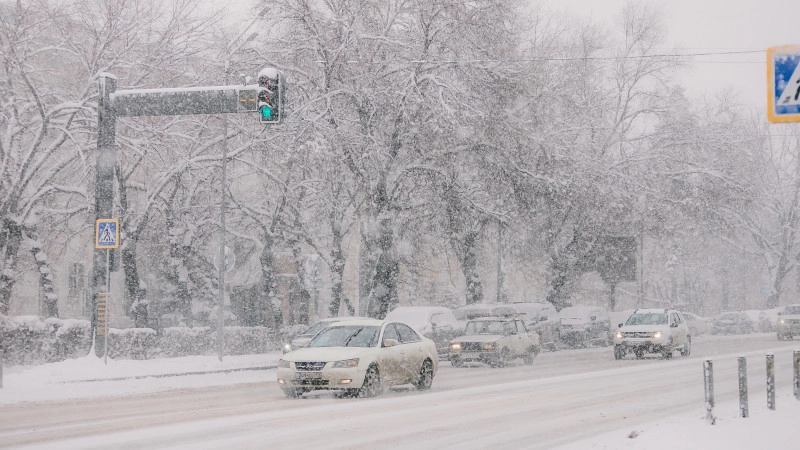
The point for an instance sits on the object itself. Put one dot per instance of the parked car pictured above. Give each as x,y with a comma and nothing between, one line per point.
494,341
434,322
300,340
467,312
789,322
698,325
659,331
733,322
584,325
360,358
772,317
542,318
759,319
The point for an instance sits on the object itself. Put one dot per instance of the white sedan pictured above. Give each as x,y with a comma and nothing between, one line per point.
360,357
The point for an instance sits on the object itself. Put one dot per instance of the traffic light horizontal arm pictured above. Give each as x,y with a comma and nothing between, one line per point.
174,101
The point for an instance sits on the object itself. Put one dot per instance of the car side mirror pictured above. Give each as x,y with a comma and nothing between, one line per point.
620,325
390,342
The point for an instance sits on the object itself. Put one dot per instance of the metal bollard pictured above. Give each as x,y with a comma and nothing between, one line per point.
796,363
708,382
743,409
771,381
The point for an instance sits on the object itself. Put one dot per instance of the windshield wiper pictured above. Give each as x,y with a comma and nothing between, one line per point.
347,342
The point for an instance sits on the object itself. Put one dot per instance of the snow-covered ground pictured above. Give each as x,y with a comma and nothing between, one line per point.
92,377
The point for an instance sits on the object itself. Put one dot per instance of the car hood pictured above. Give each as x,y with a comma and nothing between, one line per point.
325,353
574,321
301,341
644,328
479,338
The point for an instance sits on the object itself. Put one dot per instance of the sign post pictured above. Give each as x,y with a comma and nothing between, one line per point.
106,237
783,83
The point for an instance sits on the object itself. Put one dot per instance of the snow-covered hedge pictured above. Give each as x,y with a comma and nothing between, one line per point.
27,340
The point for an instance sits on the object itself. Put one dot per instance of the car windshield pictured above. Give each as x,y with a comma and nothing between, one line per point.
576,313
792,309
346,336
488,327
314,329
647,319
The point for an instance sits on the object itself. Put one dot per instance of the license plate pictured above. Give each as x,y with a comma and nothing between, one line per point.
308,375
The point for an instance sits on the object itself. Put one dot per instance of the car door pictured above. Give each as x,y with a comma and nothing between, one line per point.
524,338
392,357
679,329
411,352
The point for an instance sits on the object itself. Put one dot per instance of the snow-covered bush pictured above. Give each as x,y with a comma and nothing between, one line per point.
32,340
27,340
132,343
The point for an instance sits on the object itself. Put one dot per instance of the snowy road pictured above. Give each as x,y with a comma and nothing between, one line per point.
564,397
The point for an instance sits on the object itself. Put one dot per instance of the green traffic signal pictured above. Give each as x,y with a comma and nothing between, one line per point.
266,112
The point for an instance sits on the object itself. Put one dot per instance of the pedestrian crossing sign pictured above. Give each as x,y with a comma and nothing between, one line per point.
107,233
783,83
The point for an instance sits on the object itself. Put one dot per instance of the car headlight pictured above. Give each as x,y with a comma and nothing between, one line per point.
345,363
287,347
657,335
488,346
284,364
781,321
620,334
455,347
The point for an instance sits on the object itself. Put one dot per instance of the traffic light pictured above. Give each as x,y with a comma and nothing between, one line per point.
270,96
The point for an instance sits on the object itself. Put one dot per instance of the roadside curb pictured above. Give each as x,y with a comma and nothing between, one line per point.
165,375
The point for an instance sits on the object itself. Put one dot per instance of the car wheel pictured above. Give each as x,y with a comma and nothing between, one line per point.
529,357
667,352
425,376
293,393
372,383
619,352
502,358
456,362
687,347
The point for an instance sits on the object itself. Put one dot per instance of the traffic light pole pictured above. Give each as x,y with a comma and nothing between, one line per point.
104,194
161,102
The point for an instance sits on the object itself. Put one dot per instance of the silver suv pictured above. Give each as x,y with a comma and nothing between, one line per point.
789,322
653,331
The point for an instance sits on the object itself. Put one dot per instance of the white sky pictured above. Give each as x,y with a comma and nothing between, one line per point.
699,26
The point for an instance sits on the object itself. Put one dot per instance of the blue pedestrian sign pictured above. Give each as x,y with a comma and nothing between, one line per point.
783,83
106,233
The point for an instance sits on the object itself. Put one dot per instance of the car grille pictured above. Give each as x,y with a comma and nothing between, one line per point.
472,346
792,321
311,382
638,334
309,366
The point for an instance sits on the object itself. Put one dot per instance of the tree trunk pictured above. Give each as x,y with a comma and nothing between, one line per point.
135,305
13,239
467,254
50,300
303,294
384,296
337,277
268,297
